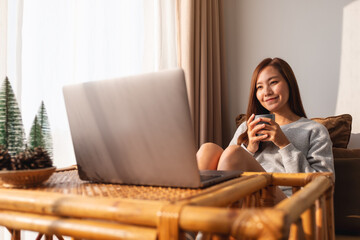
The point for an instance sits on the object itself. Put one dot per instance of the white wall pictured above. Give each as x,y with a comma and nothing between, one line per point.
349,85
305,33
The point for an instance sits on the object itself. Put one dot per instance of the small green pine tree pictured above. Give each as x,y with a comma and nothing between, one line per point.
36,138
12,135
40,134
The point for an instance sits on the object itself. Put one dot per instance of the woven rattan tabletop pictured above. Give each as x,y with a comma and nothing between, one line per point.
68,182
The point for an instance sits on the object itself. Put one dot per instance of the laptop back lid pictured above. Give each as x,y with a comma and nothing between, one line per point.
134,130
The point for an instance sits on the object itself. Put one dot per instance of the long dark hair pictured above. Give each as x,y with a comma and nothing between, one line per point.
254,106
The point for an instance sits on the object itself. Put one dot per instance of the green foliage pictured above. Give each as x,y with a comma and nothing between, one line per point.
36,138
40,133
12,135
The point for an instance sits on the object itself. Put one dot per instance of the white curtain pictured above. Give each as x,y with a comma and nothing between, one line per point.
51,43
3,38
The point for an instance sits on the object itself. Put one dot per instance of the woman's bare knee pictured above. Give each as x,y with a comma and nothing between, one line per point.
208,156
231,159
236,158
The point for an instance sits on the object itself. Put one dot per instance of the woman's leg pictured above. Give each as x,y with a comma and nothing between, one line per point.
236,158
208,156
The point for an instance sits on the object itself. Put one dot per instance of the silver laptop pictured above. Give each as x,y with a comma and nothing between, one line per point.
136,130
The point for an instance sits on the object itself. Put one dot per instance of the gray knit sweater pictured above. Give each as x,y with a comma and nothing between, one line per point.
310,149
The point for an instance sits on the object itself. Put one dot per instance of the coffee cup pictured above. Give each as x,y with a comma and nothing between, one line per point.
269,115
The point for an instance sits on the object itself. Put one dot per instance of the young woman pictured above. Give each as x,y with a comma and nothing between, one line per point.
290,144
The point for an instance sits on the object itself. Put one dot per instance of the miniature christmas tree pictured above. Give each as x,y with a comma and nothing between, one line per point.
40,134
36,138
12,135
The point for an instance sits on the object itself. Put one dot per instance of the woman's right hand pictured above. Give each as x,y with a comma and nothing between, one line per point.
253,127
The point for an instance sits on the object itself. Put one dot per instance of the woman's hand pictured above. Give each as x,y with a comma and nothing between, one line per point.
273,132
253,129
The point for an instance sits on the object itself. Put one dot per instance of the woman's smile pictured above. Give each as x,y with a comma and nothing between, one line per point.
271,99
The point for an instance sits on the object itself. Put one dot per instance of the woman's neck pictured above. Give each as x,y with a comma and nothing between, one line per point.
285,118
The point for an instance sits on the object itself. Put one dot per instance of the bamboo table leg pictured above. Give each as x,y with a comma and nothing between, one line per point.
308,219
168,222
48,237
59,237
15,234
320,218
330,213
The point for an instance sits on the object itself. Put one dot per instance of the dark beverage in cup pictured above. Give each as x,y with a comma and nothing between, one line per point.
269,115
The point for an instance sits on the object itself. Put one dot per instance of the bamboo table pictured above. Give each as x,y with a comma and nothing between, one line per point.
238,208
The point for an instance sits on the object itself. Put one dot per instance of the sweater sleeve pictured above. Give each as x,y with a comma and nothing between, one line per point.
240,130
319,157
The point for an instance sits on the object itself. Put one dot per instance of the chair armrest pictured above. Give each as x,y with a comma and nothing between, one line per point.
346,153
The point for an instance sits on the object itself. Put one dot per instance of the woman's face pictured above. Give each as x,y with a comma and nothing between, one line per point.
272,90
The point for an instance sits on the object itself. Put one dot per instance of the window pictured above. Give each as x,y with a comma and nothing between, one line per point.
52,43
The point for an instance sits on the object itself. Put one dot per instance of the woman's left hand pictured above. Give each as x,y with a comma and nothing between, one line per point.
274,132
